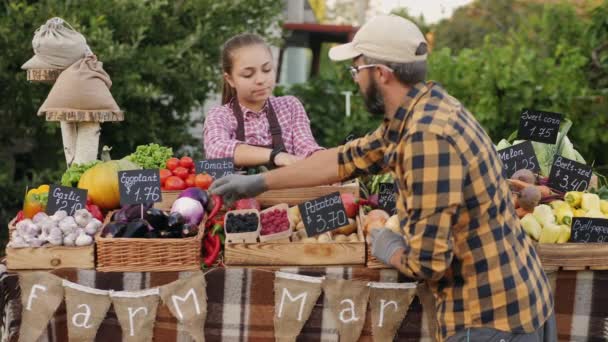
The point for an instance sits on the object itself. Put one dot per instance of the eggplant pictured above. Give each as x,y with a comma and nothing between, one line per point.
114,229
157,218
189,230
196,194
175,221
152,234
170,234
131,212
137,229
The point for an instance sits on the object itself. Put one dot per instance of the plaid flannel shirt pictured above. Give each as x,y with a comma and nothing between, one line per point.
219,131
456,214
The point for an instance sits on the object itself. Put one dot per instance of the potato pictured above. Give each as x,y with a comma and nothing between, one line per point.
294,214
340,238
323,238
348,229
300,226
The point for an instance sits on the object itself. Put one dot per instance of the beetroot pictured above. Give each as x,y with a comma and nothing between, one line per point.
351,204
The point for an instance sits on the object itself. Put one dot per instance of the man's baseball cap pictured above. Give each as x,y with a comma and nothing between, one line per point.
388,38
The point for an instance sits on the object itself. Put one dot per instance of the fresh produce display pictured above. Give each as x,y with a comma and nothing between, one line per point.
74,172
35,201
241,223
151,156
58,229
179,174
274,221
101,180
347,233
527,192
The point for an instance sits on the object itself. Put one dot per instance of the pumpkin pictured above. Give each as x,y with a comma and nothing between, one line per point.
101,180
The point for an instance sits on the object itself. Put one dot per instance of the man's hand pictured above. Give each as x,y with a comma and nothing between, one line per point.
234,187
386,244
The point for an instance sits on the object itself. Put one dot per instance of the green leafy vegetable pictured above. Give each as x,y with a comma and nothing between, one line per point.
151,156
73,173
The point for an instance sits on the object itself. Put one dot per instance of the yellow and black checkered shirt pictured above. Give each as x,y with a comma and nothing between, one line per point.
456,213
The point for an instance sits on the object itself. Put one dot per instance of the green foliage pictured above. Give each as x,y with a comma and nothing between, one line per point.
163,57
326,106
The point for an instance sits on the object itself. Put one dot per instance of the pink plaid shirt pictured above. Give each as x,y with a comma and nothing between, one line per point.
220,129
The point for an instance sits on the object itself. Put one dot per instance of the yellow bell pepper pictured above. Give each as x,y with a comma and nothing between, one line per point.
564,215
550,233
574,198
604,206
564,234
590,202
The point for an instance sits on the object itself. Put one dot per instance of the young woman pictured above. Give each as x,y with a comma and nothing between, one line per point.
252,126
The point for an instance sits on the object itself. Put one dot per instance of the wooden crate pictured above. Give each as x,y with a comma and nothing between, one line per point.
299,195
291,253
49,258
169,196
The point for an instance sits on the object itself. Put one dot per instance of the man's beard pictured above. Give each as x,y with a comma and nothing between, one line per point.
373,99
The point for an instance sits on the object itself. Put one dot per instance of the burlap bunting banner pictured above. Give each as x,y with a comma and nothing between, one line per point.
389,304
348,302
86,308
136,312
41,295
294,298
187,301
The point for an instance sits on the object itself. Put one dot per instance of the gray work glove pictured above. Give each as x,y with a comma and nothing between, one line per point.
385,243
234,187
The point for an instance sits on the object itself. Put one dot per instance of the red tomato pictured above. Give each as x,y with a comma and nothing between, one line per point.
181,172
190,181
203,181
164,174
175,183
172,163
186,162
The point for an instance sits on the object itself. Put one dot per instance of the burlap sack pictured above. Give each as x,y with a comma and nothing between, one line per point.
348,302
86,308
83,87
56,46
294,298
187,301
389,304
41,294
136,312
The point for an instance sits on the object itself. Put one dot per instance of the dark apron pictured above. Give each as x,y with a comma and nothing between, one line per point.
273,122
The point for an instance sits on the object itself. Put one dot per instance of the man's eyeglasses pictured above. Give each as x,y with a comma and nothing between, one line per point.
354,70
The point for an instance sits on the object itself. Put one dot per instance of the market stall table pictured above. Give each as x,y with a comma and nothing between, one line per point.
240,305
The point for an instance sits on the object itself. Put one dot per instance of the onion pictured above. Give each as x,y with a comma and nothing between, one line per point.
196,194
191,209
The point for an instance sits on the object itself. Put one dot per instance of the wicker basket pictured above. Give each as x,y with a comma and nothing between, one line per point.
143,255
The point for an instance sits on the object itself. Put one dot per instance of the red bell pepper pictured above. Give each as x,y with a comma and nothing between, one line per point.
95,211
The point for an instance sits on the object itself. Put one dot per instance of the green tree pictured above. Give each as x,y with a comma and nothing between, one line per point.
162,56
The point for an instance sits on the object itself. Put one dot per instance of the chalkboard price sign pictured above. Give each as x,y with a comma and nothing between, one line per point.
517,157
569,175
216,168
387,198
539,126
66,198
139,187
323,214
586,229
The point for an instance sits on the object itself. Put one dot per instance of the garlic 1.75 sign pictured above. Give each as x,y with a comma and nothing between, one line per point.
323,214
139,187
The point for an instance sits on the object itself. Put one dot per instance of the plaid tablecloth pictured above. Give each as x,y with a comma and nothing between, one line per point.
241,305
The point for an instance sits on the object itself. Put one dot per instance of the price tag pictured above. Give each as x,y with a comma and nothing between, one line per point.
323,214
539,126
387,198
569,175
216,168
66,198
139,187
586,229
517,157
